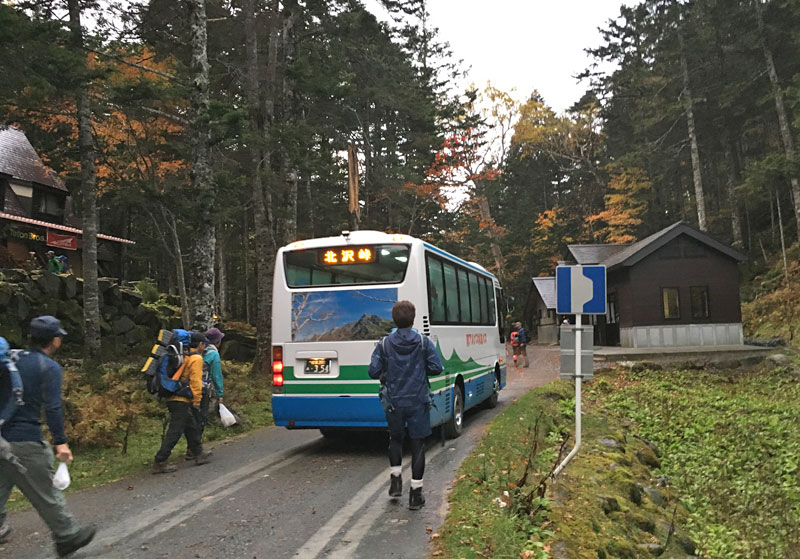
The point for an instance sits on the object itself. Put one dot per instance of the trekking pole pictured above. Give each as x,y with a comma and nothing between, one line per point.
7,455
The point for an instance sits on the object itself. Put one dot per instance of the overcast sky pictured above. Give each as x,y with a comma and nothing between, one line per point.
524,44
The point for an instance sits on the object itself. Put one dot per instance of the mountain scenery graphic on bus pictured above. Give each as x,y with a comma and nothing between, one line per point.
332,316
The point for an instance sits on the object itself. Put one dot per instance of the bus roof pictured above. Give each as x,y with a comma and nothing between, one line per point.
377,237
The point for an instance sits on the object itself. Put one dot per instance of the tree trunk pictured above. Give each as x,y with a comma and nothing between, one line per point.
222,298
497,253
730,183
204,250
180,275
783,119
91,300
262,199
783,242
696,165
248,295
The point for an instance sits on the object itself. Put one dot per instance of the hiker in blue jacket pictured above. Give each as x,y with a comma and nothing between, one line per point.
41,380
403,360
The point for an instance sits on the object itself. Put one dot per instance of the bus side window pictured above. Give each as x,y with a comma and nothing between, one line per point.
463,295
451,293
484,300
474,298
436,291
490,299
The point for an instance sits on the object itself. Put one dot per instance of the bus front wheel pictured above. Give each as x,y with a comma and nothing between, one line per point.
455,424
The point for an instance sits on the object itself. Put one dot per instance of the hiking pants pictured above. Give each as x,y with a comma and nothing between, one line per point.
183,420
419,427
37,485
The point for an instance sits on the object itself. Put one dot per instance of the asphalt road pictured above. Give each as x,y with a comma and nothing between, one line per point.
277,494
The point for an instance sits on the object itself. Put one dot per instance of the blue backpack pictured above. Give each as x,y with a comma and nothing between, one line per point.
162,369
10,384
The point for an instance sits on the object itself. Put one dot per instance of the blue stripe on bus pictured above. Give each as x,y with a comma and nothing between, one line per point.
457,259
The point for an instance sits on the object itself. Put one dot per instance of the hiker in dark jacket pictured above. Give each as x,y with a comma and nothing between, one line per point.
403,361
41,382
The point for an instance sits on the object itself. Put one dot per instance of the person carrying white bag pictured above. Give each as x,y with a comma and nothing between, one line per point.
41,383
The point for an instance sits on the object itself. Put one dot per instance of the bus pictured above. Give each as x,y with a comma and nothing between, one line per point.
331,304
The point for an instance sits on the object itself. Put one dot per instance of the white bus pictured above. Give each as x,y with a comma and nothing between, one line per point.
332,302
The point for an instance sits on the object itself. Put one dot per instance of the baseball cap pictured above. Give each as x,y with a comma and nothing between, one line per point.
46,326
197,338
214,335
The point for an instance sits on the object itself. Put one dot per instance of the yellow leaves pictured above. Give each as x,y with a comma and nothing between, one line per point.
625,204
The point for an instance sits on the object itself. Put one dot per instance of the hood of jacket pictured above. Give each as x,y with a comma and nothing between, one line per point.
404,341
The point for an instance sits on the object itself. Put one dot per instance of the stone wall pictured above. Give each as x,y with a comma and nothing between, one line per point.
126,320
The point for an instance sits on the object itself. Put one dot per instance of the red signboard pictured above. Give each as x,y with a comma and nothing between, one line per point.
67,242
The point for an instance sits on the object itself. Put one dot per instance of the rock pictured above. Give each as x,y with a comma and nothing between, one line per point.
643,523
6,291
652,548
655,496
122,325
687,544
650,444
104,284
131,296
146,317
50,284
609,504
779,360
20,307
70,287
635,494
15,276
609,443
109,312
647,457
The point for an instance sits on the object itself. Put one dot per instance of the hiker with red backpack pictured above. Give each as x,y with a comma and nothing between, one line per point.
519,342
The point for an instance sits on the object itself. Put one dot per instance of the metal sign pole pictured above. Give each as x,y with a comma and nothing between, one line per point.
574,451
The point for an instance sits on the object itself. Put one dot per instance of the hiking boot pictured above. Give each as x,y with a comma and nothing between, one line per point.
189,456
202,458
5,531
395,486
163,468
79,540
415,499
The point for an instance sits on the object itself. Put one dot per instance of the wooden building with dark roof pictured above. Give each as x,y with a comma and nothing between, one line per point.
677,287
35,212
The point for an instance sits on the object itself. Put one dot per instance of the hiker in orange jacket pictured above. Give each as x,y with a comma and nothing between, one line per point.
184,413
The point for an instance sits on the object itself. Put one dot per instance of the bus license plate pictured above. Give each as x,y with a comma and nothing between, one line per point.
318,366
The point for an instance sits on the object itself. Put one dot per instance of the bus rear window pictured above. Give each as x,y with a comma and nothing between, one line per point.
353,265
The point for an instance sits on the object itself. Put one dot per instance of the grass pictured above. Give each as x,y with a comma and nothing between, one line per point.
496,509
730,445
99,464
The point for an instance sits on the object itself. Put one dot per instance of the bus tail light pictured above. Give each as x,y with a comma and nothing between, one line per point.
277,366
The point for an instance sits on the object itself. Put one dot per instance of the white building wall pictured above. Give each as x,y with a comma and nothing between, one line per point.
678,335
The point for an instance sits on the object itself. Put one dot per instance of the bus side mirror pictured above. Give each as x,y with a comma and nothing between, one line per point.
510,307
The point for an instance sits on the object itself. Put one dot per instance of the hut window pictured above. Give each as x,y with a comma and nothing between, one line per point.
671,303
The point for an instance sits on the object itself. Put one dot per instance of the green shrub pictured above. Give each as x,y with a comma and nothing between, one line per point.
148,290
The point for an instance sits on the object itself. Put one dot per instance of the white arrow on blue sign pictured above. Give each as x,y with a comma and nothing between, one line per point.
581,290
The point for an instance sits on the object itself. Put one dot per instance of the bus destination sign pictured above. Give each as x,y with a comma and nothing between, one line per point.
347,255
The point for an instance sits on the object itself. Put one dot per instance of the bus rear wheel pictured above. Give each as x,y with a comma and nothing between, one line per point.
454,426
491,401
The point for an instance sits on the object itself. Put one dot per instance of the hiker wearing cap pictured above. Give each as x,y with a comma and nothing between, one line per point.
41,381
212,377
184,413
